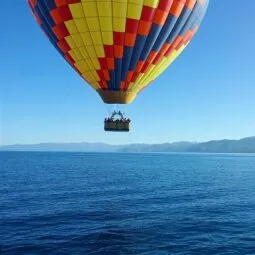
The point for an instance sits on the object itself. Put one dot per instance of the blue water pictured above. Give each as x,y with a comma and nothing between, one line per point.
78,203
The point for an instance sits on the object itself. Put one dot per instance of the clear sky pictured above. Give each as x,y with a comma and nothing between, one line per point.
208,93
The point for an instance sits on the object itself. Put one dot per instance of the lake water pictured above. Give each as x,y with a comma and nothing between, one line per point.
81,203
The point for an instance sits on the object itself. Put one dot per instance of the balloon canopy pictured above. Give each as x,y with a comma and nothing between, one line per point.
119,46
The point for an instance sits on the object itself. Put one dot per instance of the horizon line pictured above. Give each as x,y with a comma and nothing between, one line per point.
89,142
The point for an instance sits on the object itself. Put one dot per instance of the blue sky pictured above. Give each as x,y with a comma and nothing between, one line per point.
208,93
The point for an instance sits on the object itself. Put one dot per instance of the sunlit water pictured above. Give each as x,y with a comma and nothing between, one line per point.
79,203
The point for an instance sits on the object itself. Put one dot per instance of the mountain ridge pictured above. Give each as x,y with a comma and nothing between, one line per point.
244,145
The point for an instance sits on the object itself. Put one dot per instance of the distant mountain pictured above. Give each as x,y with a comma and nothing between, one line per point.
246,145
82,147
165,147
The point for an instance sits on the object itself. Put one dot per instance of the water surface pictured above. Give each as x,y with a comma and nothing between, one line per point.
88,203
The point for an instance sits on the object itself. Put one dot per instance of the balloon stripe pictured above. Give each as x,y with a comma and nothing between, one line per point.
148,53
147,66
181,41
133,25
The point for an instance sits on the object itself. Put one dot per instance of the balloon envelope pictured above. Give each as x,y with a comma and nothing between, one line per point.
119,47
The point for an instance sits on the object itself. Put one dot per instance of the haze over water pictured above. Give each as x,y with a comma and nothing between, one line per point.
91,203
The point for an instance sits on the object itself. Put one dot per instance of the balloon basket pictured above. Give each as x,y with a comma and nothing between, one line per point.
117,123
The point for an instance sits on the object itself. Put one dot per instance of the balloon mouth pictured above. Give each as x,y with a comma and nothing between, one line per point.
117,97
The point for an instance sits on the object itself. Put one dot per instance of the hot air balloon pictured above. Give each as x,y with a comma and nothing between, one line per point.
119,46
